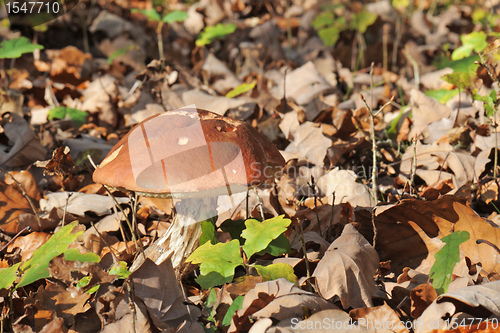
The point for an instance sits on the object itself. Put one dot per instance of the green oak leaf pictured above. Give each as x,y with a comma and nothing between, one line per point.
278,246
234,228
462,80
75,255
258,234
37,267
120,269
446,259
235,306
276,271
362,20
208,232
217,262
475,41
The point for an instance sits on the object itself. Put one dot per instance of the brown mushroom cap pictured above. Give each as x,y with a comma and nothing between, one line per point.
188,153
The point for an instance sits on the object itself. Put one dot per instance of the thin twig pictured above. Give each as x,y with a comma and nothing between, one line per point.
261,210
313,187
414,164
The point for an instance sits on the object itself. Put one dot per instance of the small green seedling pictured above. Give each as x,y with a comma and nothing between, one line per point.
211,33
153,15
329,24
446,259
218,261
61,112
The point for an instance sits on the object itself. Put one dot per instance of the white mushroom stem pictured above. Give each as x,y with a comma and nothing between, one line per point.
183,235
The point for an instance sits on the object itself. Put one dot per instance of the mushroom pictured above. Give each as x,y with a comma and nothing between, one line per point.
193,155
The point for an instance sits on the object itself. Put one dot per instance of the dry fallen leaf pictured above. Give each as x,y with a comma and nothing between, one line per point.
278,299
480,301
347,270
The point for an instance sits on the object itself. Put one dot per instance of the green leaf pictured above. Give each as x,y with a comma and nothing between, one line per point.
258,234
60,112
93,289
234,228
210,304
475,41
217,262
235,306
120,269
211,33
175,16
468,64
489,101
37,267
75,255
392,130
323,19
460,79
84,281
362,20
14,48
329,35
276,271
446,259
8,276
208,232
241,89
442,95
278,246
151,14
120,52
478,14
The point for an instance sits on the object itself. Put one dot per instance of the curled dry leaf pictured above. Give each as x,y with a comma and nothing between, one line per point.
13,203
66,65
113,308
434,160
343,184
28,244
62,302
421,297
23,147
309,143
157,287
383,317
347,270
280,300
425,111
77,203
480,301
302,84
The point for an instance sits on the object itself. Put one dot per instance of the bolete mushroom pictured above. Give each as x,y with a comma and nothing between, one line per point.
193,155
